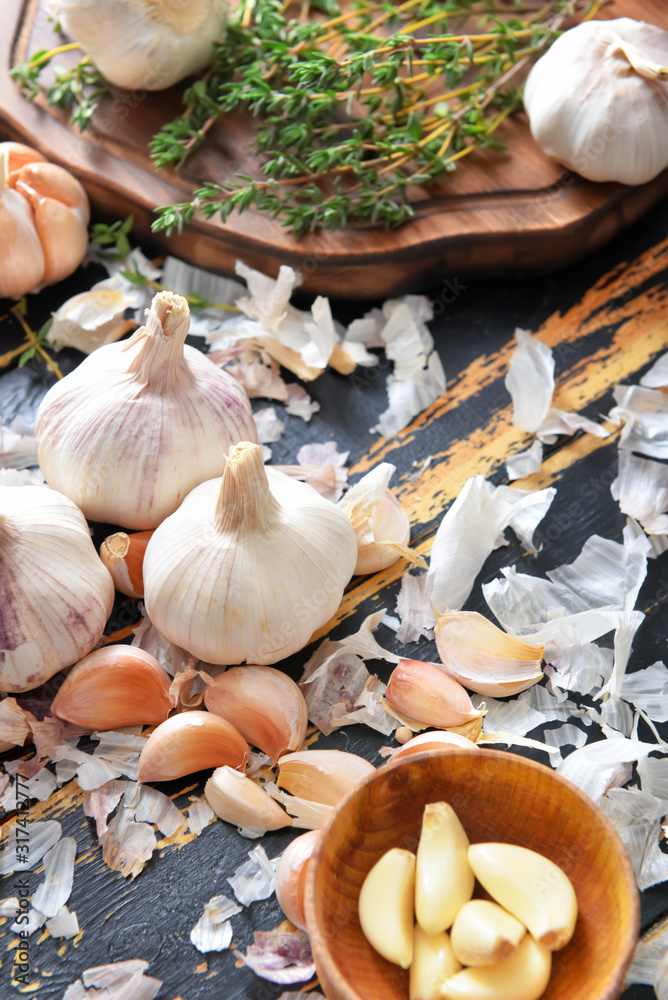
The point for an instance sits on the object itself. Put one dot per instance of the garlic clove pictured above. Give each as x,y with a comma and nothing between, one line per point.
386,906
443,877
323,776
190,742
531,887
306,815
484,933
91,319
264,704
291,876
114,686
238,800
483,658
421,694
523,976
123,555
433,962
433,740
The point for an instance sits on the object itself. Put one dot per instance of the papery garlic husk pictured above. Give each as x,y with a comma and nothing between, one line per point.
91,320
190,742
114,686
291,876
44,216
380,522
483,658
434,740
597,100
145,44
421,694
324,776
131,431
249,566
238,800
264,704
123,555
55,594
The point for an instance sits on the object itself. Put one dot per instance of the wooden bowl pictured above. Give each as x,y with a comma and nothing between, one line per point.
498,797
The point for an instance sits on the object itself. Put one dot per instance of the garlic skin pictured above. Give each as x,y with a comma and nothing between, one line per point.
44,215
114,686
433,740
237,799
190,742
145,44
138,424
291,876
421,694
264,704
123,555
55,594
324,776
597,100
249,566
381,524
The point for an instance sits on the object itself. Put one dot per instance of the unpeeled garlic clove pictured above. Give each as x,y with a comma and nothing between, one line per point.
291,876
123,555
484,933
421,694
264,704
523,976
443,877
434,740
386,906
238,800
114,686
483,658
433,962
531,887
192,741
323,776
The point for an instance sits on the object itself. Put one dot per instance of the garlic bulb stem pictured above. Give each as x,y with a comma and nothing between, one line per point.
640,63
158,359
246,506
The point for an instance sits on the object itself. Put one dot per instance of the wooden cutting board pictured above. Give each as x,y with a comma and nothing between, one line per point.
507,213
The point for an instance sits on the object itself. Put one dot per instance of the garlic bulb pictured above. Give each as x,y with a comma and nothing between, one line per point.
249,566
145,44
131,431
55,594
264,704
597,101
44,216
291,876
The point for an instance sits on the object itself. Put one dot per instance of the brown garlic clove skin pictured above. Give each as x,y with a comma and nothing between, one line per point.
112,687
291,876
323,776
123,555
190,742
421,694
264,704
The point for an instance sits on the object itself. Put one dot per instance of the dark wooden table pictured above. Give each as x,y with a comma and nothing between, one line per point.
607,320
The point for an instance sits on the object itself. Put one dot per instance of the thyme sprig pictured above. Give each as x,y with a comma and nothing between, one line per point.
77,90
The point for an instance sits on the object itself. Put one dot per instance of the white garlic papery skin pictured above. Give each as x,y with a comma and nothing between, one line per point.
131,431
145,44
249,566
55,593
597,100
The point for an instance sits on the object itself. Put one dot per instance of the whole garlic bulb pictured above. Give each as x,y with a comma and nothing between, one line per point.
597,100
145,44
55,594
131,431
44,215
249,566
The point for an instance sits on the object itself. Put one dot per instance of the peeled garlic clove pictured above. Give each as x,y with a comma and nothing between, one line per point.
380,522
433,962
484,933
240,801
421,694
170,39
597,100
523,976
483,658
435,740
291,876
386,906
55,594
322,775
443,877
112,687
123,555
192,741
138,424
264,704
249,566
529,886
